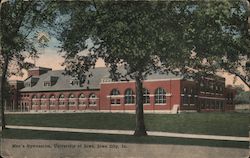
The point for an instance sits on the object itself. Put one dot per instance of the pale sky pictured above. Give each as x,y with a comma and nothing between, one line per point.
50,58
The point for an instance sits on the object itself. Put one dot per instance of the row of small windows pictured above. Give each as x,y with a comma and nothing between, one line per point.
62,103
211,87
208,103
71,102
62,96
129,97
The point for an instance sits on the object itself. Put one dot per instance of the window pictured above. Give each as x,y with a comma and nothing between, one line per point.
74,82
52,100
184,90
92,96
34,100
92,99
146,98
47,84
43,97
114,92
185,100
113,97
43,100
129,98
192,100
71,100
61,100
160,96
203,103
82,99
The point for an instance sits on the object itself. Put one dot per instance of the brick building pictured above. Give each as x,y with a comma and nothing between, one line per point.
47,90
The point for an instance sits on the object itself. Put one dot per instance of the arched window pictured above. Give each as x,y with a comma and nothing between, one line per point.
43,100
92,96
129,97
81,96
146,98
82,100
72,100
92,99
61,96
52,100
114,92
43,96
61,100
160,96
114,100
34,100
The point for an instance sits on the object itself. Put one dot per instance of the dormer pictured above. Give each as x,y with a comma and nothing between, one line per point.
30,82
50,81
106,79
74,81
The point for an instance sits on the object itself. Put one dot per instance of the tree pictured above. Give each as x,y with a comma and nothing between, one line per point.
141,36
242,98
164,36
219,32
18,20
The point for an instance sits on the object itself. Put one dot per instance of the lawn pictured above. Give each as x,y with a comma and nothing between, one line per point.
48,135
231,124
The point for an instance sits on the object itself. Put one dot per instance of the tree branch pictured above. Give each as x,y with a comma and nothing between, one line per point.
241,77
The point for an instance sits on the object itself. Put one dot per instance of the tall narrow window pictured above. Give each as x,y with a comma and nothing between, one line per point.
43,100
146,98
92,99
71,100
34,100
61,100
160,96
129,97
82,100
114,97
52,100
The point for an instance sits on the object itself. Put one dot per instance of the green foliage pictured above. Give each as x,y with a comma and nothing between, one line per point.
187,37
144,36
18,20
242,98
137,35
19,23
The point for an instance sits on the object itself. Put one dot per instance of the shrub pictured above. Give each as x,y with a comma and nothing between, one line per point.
243,98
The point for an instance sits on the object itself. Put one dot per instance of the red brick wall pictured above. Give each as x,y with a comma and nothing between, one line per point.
174,89
27,98
171,87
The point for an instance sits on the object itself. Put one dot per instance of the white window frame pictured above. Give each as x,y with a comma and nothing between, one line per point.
160,96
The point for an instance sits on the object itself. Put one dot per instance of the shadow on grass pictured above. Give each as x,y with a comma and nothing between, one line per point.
49,135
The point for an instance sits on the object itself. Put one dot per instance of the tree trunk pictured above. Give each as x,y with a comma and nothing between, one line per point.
3,81
140,129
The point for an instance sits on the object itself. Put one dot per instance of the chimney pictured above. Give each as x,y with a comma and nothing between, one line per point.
37,71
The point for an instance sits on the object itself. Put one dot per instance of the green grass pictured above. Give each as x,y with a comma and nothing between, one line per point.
29,134
231,124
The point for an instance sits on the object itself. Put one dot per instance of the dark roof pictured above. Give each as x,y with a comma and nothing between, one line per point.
92,81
